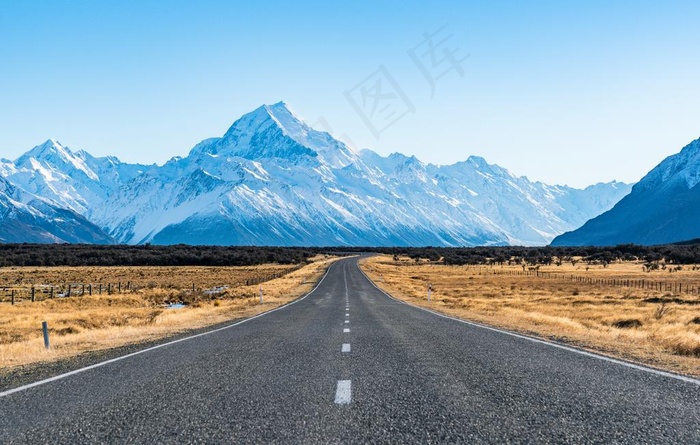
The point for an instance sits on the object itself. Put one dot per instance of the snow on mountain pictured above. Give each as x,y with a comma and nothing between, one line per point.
274,132
77,181
271,179
663,207
528,212
683,167
27,218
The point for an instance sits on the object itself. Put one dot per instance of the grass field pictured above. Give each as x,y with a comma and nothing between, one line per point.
656,327
125,279
86,323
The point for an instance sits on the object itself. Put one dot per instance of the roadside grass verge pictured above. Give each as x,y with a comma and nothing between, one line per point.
91,323
657,328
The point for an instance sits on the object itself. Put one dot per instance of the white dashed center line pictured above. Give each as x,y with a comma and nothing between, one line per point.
343,393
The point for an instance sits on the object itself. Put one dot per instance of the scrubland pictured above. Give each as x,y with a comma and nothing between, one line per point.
660,328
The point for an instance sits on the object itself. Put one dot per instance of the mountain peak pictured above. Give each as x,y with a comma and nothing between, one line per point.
278,113
269,131
482,165
50,152
275,131
287,120
479,162
281,107
50,148
54,156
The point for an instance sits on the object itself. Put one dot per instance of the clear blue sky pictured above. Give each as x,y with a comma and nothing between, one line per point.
562,92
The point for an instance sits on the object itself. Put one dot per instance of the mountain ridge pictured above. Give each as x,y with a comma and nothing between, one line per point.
271,179
28,218
660,209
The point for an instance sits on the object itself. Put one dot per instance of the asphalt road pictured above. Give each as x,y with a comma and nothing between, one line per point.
348,364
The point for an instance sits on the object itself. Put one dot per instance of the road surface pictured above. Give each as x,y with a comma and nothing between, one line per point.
348,364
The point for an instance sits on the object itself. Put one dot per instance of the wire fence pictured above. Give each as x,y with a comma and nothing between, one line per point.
657,285
41,292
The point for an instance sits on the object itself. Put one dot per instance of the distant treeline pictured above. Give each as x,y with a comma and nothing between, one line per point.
148,255
678,254
185,255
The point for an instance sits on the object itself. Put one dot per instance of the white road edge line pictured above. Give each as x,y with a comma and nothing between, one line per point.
152,348
343,392
545,342
345,348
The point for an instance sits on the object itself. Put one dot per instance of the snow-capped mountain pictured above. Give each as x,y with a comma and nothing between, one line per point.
27,218
271,179
663,207
77,181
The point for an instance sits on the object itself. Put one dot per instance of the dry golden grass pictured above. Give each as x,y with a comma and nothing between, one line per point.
128,278
88,323
659,328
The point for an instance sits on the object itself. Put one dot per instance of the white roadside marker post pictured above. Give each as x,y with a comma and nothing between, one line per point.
430,288
261,294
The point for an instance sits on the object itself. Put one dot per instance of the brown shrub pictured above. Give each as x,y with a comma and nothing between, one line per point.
627,323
